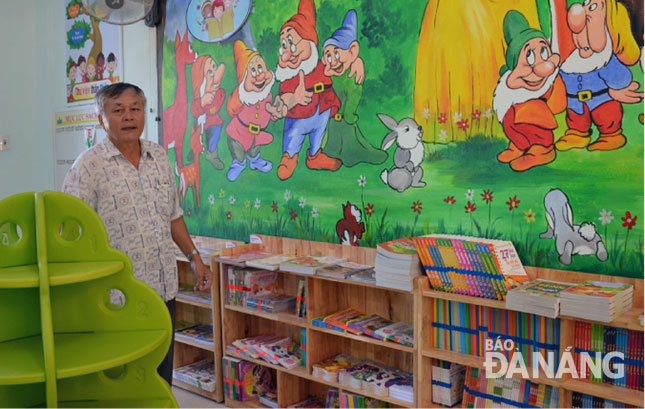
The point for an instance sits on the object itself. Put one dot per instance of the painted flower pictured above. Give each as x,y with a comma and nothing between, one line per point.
476,115
302,202
362,181
628,220
443,135
443,118
450,200
231,199
470,207
247,204
469,194
463,125
369,209
488,113
605,217
274,207
529,216
229,215
426,113
257,203
456,117
293,214
287,195
416,206
211,199
222,193
512,203
314,213
487,196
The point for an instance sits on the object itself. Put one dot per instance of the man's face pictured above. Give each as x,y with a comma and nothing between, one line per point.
588,24
534,65
293,49
257,75
72,73
337,60
124,117
91,70
213,75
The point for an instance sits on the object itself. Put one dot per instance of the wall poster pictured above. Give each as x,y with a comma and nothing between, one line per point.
93,53
358,122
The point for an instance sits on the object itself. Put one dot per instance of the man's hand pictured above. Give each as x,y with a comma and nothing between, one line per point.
627,95
207,99
357,68
278,109
300,95
203,273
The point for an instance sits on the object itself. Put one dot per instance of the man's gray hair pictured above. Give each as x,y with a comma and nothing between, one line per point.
114,91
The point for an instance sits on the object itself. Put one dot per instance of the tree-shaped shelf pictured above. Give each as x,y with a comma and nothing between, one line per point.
63,340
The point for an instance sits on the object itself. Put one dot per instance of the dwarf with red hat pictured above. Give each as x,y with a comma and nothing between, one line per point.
306,91
251,110
208,98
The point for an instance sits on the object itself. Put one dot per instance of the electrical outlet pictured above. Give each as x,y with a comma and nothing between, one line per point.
4,142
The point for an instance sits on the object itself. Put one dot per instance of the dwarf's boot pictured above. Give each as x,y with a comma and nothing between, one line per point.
640,118
257,163
510,153
573,139
235,170
536,155
608,141
214,159
321,161
287,166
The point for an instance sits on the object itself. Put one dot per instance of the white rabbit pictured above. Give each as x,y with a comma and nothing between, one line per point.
406,170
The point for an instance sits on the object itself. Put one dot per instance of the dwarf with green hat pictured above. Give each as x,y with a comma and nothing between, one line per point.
527,95
345,141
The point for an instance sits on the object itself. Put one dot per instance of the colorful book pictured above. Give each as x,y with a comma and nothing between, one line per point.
240,259
399,332
271,262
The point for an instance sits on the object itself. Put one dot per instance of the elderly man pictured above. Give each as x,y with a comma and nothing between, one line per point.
130,184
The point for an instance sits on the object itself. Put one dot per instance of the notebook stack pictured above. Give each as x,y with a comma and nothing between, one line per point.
597,300
541,297
309,264
448,383
200,374
397,264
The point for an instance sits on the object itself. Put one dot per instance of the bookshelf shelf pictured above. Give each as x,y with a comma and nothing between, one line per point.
288,316
325,295
606,391
627,320
193,301
364,338
23,361
461,298
253,403
189,350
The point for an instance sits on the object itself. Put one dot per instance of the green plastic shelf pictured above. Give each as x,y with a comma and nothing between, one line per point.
62,341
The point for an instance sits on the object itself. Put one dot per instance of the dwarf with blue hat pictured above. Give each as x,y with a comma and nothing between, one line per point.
345,141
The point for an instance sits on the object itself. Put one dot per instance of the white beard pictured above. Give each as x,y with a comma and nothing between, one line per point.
201,120
284,73
249,98
504,97
578,65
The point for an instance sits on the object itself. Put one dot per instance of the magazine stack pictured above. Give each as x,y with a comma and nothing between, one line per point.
397,264
597,300
541,297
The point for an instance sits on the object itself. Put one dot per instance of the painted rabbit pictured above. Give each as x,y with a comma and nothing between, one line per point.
406,171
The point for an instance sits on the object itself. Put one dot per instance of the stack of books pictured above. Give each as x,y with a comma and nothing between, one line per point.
329,369
447,383
244,380
470,266
363,276
271,262
241,282
342,270
188,291
196,332
402,388
397,264
309,264
241,259
270,302
277,350
597,300
541,297
200,374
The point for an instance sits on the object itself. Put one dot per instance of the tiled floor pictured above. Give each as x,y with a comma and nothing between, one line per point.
187,399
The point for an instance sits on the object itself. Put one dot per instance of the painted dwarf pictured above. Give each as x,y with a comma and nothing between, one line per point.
596,75
251,110
208,98
306,91
345,141
527,95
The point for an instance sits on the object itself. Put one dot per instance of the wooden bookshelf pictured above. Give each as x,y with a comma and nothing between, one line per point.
207,312
325,295
567,385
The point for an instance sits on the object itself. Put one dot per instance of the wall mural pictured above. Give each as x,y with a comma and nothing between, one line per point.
358,122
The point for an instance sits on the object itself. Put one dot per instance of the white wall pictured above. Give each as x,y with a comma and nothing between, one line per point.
32,87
